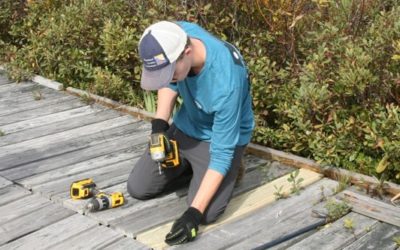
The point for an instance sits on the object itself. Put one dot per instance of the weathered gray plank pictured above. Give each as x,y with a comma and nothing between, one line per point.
145,219
25,98
103,176
12,193
14,90
43,103
31,114
4,79
336,236
31,222
281,219
111,142
21,207
37,143
290,242
65,146
21,87
93,238
252,162
52,118
267,223
17,99
81,167
55,233
373,208
257,175
65,233
4,182
124,244
380,236
58,127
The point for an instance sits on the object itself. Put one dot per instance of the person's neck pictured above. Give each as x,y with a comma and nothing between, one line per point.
199,55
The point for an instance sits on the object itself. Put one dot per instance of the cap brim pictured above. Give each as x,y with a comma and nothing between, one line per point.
153,80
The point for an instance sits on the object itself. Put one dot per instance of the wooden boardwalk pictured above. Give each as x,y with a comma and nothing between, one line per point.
49,142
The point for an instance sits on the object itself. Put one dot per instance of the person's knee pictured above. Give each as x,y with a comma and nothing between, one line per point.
211,216
137,188
137,192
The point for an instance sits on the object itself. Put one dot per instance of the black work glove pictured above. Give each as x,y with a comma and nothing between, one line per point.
159,126
185,228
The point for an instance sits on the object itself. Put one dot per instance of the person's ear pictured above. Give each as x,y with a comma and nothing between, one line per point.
188,50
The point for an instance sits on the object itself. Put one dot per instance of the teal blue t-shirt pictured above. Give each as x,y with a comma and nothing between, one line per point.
216,102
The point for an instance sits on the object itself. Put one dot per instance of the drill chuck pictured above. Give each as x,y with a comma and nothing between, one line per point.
104,201
97,204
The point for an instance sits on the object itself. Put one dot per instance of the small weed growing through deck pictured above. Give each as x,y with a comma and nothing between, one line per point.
295,182
396,240
344,182
322,195
85,98
37,94
279,194
348,223
2,133
336,209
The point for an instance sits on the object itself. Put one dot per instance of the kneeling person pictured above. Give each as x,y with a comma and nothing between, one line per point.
212,127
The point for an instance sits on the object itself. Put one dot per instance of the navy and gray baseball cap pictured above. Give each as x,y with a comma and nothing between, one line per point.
159,48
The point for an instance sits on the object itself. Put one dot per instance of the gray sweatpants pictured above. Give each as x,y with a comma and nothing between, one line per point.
145,182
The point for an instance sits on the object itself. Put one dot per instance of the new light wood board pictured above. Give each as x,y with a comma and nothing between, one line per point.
239,206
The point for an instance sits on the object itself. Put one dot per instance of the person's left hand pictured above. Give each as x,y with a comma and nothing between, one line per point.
185,228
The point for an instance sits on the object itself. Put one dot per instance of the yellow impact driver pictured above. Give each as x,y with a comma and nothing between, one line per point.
164,151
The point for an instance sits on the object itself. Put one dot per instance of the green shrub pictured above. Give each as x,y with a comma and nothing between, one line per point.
324,76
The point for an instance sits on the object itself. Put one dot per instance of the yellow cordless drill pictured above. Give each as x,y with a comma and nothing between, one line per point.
86,188
103,201
164,151
82,189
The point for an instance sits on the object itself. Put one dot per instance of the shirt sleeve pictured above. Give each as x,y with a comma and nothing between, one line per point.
173,86
226,130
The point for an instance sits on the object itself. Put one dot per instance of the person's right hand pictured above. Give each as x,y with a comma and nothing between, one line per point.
159,126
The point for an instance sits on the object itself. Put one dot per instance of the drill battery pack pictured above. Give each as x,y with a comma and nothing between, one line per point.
82,189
